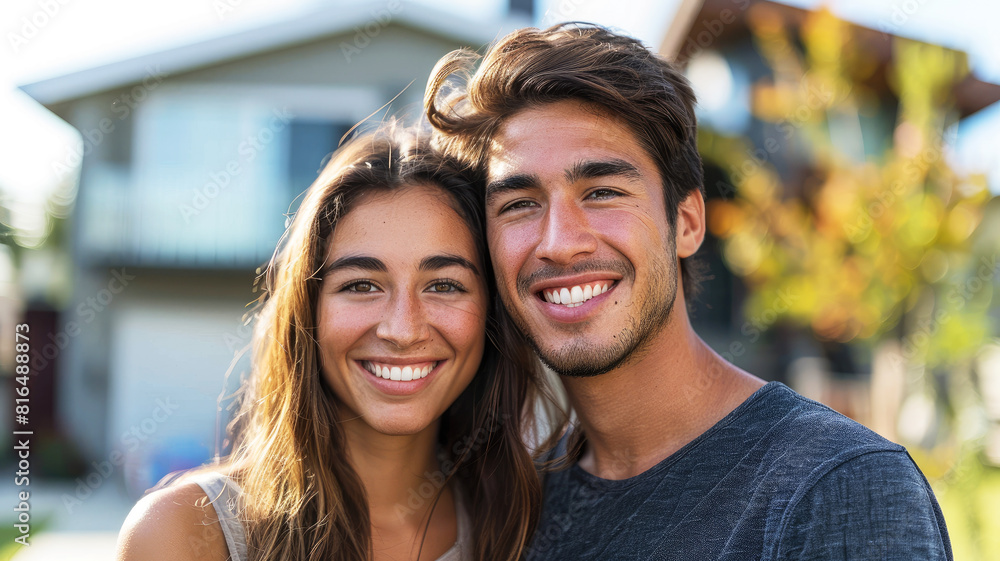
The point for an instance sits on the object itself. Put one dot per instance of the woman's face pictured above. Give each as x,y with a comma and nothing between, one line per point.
402,309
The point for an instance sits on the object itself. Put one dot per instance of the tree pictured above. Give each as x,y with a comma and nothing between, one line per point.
881,242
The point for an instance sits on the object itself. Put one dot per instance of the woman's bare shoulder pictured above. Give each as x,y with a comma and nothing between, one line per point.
177,522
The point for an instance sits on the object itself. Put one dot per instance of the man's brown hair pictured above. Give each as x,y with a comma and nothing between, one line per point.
614,73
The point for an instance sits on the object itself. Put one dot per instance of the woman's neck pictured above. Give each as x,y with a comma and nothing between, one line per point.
390,466
402,479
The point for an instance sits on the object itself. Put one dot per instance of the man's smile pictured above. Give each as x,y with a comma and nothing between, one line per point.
573,296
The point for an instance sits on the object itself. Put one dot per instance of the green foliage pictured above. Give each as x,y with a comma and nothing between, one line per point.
876,240
869,248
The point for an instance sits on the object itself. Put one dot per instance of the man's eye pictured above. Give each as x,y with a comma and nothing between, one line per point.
603,194
517,205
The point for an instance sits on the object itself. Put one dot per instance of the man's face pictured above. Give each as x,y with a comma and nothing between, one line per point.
585,258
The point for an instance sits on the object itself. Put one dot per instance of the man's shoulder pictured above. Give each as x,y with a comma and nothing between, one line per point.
791,424
810,474
780,440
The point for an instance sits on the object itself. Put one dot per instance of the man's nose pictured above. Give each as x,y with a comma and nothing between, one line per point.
405,321
566,233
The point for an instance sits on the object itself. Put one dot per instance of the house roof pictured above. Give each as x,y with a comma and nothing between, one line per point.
970,94
298,28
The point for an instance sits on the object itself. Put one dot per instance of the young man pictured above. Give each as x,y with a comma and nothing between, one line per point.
594,205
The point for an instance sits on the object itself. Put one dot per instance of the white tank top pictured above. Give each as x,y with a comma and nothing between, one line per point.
224,494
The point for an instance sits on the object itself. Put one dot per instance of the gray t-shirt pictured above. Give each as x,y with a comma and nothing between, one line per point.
780,477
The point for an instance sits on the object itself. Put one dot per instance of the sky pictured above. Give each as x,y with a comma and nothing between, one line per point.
43,38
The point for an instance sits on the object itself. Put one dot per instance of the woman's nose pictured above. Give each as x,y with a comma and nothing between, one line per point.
404,323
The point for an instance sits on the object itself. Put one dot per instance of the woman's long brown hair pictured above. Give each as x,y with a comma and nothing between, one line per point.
301,497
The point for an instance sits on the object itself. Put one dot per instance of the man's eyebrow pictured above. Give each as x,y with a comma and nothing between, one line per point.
435,262
515,182
362,262
594,169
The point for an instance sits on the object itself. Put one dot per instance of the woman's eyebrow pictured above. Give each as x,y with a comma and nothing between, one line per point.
362,262
366,263
435,262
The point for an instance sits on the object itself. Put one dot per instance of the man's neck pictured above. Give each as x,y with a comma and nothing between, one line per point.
639,414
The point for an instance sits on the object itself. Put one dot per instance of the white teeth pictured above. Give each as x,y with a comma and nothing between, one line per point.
574,296
402,374
381,372
565,297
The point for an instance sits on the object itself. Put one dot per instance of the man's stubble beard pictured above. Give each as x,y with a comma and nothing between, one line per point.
583,360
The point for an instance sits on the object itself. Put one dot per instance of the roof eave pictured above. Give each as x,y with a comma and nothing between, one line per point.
299,28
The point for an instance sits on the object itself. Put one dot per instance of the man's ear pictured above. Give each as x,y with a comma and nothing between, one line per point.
690,229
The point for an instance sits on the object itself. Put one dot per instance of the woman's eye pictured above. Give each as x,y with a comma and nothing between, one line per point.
360,286
445,286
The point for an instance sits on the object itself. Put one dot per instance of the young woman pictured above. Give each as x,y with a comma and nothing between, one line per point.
381,421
